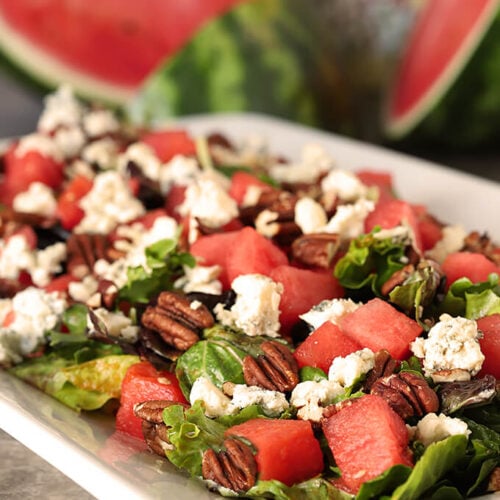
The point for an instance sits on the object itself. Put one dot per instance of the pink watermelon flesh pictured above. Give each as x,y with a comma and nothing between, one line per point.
252,253
323,345
490,345
391,213
287,450
474,266
442,40
366,437
122,41
302,289
378,325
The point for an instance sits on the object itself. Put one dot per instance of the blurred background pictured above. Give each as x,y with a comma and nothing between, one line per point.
419,76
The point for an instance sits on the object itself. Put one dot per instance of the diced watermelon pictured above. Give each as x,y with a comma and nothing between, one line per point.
381,180
287,450
143,382
252,253
241,181
490,344
366,437
392,213
474,266
168,143
60,284
68,209
302,289
378,325
213,250
323,346
175,197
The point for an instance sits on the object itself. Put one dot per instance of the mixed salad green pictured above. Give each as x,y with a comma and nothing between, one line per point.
100,220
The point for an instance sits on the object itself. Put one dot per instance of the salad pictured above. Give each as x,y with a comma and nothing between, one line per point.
276,327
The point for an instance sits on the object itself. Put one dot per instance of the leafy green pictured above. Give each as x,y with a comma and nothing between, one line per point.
311,373
438,459
81,385
472,300
190,432
313,489
370,262
218,360
455,396
164,265
75,320
384,483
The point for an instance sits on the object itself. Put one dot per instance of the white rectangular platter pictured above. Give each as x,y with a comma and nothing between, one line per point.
83,446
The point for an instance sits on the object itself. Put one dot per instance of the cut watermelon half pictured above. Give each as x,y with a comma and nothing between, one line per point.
103,49
444,37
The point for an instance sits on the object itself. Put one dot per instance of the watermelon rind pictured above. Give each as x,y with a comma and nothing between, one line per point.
261,56
397,127
50,71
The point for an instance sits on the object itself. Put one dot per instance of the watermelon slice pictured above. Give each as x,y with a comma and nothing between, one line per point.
103,50
440,45
366,438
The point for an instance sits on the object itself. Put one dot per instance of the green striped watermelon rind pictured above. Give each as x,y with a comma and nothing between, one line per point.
260,57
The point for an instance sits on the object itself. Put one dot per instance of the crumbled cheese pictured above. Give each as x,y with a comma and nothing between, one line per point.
310,216
109,203
398,234
452,346
273,403
40,143
80,167
329,310
314,162
200,279
345,185
37,199
48,261
452,240
116,324
250,151
207,201
217,404
70,141
311,397
84,290
252,196
432,428
348,220
35,312
266,223
101,152
100,122
180,170
256,309
61,109
144,157
15,256
349,369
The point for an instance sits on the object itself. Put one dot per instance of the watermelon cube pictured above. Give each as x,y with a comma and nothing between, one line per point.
241,182
302,289
287,450
490,344
378,325
472,265
252,253
366,437
323,346
392,213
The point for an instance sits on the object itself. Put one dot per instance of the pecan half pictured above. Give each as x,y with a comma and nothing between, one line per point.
275,369
482,243
84,250
153,428
384,365
234,467
407,393
316,250
177,319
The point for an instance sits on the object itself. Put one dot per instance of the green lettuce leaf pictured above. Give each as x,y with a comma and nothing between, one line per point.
370,262
87,385
384,483
190,432
438,459
75,320
164,265
472,300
